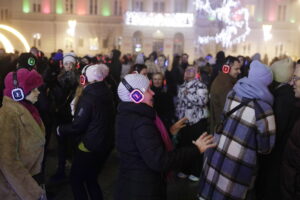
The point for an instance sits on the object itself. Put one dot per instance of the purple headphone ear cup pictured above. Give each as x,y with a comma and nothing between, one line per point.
137,96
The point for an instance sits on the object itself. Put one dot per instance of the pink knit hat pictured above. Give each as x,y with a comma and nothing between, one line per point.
27,80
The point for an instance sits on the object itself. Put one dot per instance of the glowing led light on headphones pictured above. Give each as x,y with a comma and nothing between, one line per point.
17,34
234,18
159,19
7,44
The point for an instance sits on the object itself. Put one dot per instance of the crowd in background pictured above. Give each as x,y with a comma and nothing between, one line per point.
250,109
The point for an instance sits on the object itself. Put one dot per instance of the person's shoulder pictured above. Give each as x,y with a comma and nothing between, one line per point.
262,108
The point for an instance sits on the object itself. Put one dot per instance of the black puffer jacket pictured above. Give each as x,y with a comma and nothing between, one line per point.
143,158
93,119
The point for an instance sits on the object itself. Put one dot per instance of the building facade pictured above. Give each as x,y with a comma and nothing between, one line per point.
166,26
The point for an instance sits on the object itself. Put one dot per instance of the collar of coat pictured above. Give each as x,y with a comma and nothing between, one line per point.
141,109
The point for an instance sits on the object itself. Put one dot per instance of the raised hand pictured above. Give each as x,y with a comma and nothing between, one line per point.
205,142
175,128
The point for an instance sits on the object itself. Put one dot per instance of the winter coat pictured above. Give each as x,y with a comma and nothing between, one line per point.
22,142
218,92
174,78
290,171
143,157
93,119
230,169
115,67
192,101
163,104
63,93
268,180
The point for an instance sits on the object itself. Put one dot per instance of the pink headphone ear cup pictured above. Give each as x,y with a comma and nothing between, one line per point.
226,69
82,80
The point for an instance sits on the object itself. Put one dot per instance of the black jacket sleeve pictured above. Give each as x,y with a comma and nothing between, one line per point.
152,151
80,122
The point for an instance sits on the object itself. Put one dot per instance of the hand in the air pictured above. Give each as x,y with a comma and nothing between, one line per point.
205,142
175,128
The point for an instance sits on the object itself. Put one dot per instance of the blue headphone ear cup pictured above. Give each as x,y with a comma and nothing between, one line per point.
17,94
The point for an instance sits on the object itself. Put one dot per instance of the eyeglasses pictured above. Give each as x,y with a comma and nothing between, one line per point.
295,78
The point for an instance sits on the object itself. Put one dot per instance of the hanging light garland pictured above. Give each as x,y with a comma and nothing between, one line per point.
159,19
233,17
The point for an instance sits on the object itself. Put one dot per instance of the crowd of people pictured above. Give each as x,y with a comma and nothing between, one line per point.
229,123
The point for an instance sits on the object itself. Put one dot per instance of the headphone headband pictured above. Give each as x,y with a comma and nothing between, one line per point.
127,85
17,93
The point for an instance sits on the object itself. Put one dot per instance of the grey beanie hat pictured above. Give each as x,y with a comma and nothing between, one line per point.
136,81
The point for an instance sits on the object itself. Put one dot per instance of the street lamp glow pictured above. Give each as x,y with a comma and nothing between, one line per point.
6,44
17,34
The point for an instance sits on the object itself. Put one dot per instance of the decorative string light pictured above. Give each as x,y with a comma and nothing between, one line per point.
234,18
17,34
159,19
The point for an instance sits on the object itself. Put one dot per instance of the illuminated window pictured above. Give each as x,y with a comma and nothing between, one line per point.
3,14
281,13
94,44
36,6
137,5
69,43
180,6
178,44
159,6
251,9
137,41
117,8
93,7
69,6
80,42
158,46
37,40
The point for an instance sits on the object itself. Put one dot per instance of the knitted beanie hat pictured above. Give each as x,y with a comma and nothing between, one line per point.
260,73
136,81
283,70
27,80
96,72
26,60
69,57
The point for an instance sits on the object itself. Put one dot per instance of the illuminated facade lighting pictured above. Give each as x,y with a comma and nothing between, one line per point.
234,18
46,6
105,11
6,44
26,6
159,19
267,32
59,6
17,34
